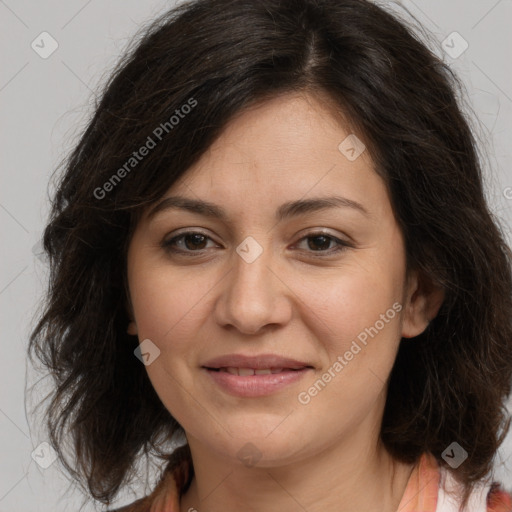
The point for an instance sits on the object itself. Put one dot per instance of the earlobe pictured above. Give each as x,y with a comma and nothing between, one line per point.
423,301
132,329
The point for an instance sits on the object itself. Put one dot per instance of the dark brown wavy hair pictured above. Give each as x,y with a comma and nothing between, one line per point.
447,384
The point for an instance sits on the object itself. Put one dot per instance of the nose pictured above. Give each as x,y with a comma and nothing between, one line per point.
254,297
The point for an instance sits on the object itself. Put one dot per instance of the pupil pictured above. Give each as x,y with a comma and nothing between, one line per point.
196,239
321,237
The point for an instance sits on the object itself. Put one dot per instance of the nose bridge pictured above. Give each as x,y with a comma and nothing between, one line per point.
252,297
251,266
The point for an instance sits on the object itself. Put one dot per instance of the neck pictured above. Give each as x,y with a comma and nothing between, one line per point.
342,479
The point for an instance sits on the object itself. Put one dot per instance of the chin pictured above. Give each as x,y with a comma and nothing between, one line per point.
261,447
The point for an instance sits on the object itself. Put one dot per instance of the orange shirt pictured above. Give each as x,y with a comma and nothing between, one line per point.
421,493
422,490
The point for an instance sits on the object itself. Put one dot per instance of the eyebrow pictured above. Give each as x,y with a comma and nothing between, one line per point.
285,211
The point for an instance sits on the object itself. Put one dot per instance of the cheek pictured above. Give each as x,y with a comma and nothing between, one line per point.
357,322
168,305
342,306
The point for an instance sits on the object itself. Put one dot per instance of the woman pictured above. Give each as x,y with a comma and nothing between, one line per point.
272,239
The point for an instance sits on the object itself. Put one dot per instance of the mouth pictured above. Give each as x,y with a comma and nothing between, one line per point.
251,376
245,382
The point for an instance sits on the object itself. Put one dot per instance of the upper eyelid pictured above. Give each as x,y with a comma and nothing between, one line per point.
188,232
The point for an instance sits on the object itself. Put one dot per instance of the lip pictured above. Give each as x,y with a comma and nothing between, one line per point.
255,385
258,362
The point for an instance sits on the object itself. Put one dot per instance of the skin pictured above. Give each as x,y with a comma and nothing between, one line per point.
325,455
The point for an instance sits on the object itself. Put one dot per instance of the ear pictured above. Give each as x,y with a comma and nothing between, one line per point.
423,300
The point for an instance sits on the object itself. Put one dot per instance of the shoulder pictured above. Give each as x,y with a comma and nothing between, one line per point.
498,500
485,496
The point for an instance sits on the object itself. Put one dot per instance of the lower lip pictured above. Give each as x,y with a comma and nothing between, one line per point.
255,385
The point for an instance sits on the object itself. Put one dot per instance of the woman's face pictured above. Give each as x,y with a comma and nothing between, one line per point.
278,274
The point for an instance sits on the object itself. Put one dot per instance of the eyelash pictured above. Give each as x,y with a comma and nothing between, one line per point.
168,244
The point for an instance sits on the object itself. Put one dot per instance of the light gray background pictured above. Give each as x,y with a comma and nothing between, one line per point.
45,103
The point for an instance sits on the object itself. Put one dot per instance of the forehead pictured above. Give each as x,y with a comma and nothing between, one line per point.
283,149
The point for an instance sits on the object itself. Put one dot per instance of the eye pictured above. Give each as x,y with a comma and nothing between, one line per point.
190,241
320,242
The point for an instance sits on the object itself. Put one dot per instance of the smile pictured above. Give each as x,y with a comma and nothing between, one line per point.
249,382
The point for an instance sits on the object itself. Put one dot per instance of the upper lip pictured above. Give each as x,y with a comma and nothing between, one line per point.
259,362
